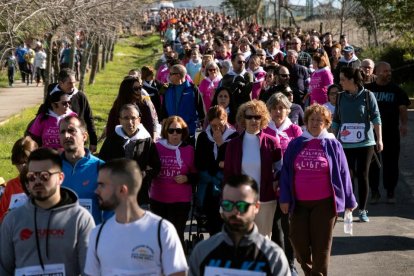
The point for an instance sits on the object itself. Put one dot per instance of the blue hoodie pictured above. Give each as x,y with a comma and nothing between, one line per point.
82,178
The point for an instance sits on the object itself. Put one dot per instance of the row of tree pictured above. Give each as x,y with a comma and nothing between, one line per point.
98,22
374,15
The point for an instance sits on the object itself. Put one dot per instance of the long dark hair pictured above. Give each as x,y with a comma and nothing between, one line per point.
126,94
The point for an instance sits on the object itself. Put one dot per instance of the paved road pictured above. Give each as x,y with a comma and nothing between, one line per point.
384,246
14,100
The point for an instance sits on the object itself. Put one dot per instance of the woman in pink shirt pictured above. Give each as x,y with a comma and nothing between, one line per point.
45,128
283,129
315,185
209,84
320,79
171,190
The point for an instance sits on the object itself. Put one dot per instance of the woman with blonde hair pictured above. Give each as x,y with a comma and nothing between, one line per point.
210,83
255,153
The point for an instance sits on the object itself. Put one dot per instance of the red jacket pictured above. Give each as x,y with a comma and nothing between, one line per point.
13,187
270,153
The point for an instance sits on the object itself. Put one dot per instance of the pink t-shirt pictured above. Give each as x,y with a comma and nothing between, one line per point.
162,74
312,176
48,130
207,89
164,188
259,77
318,86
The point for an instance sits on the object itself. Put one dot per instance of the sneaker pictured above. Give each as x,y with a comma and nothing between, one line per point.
391,198
375,197
293,271
363,216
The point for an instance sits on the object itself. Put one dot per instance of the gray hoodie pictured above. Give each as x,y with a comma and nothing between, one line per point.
32,236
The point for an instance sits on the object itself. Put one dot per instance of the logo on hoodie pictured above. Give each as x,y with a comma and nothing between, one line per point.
25,234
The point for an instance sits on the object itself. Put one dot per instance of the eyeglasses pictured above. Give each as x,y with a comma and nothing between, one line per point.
129,118
284,75
241,206
43,175
366,67
251,117
176,130
241,62
137,88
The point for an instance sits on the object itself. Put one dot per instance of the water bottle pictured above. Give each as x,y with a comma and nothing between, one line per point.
348,222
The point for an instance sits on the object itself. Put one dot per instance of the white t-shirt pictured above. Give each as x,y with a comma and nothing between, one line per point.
251,161
133,248
330,106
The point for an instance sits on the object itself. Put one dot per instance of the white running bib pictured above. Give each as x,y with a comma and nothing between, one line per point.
352,133
54,269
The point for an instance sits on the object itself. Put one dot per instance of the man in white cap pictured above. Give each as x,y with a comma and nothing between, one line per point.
348,59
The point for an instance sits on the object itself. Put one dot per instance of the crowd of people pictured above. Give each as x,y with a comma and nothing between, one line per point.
260,131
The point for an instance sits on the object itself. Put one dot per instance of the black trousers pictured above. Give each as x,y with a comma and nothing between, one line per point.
280,234
389,161
359,161
176,213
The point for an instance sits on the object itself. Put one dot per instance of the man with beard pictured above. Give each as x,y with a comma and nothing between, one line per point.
79,165
392,103
239,246
137,248
48,235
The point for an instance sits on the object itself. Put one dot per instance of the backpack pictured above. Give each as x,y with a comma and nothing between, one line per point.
158,237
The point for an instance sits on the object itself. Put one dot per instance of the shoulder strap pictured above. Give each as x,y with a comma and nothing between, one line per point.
159,243
368,105
97,238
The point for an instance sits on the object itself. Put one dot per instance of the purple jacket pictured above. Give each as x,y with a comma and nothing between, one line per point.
338,166
270,153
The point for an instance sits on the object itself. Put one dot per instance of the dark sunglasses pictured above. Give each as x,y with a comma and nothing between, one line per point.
212,70
241,206
65,103
250,117
172,74
241,61
176,130
284,75
43,175
137,88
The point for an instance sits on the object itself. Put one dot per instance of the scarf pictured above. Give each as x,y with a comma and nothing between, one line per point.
323,135
71,94
229,131
281,130
141,133
51,113
211,82
176,148
257,71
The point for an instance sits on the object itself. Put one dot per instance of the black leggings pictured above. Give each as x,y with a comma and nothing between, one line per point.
359,160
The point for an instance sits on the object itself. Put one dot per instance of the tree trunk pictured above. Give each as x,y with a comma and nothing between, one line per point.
111,56
48,70
104,49
72,52
95,61
108,51
84,63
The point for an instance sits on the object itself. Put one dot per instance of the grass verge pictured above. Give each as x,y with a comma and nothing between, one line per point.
101,94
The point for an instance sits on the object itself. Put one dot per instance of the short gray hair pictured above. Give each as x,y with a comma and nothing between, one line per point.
278,98
293,52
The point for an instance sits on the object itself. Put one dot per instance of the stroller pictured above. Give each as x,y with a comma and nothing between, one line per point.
205,195
197,228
